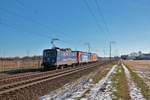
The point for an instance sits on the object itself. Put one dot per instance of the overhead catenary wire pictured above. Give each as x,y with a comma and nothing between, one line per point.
14,13
101,14
20,3
44,36
26,18
98,6
33,21
97,21
24,7
92,14
35,34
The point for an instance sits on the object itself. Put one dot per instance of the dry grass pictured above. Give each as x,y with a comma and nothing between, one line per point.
138,62
7,65
140,72
141,84
102,72
142,68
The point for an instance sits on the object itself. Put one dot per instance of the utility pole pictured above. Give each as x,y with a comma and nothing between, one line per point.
104,52
0,61
110,48
28,53
3,61
89,46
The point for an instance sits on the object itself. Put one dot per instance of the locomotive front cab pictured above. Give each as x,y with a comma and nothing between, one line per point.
49,58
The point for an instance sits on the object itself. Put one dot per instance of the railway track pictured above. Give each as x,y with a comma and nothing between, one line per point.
13,76
27,76
24,76
40,79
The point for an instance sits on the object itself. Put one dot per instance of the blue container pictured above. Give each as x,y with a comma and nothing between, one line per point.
89,57
66,57
83,57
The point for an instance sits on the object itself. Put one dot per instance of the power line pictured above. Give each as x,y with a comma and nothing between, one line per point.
95,17
36,34
106,25
23,6
40,35
29,19
91,12
101,14
25,18
20,3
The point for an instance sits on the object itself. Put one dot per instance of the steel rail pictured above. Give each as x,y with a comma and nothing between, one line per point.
29,74
23,84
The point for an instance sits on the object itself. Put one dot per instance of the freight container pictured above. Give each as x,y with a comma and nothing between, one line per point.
94,57
66,57
82,57
89,57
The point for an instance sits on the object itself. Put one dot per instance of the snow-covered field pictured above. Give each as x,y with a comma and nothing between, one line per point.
85,89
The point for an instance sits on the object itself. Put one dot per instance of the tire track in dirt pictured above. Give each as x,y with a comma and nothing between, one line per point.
135,92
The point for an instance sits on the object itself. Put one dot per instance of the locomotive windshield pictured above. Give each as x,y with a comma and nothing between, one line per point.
49,53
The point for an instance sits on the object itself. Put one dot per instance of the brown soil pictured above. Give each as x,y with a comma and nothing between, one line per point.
142,68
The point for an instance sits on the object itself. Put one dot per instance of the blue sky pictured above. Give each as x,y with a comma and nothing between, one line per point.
27,26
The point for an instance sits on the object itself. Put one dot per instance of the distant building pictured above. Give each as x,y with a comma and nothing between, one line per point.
144,57
136,56
125,57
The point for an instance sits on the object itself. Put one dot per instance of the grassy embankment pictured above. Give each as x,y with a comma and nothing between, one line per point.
120,85
103,71
140,83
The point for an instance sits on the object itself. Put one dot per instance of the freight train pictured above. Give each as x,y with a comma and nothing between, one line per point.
59,58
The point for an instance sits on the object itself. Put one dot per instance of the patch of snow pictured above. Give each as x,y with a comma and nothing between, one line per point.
144,75
85,89
102,90
135,92
71,90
